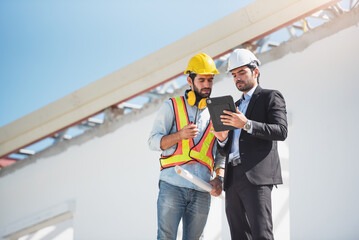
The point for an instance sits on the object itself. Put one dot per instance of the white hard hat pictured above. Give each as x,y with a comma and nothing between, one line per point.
241,57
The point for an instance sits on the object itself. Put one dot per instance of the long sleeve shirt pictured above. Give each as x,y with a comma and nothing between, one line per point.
237,132
165,124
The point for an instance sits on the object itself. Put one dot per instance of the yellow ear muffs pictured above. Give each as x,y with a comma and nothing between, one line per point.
202,104
191,98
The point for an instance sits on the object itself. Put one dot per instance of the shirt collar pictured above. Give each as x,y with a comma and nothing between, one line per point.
249,94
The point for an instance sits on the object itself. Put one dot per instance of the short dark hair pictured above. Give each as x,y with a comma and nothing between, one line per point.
253,65
192,76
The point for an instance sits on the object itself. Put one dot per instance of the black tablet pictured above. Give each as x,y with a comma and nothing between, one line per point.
216,106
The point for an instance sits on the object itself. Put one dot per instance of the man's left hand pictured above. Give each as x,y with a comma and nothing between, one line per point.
237,119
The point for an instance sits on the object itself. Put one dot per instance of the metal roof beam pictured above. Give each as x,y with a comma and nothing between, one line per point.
247,24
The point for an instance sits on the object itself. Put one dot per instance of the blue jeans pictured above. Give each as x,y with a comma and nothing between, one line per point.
174,203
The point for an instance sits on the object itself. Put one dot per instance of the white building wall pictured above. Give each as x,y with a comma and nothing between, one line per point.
107,179
321,87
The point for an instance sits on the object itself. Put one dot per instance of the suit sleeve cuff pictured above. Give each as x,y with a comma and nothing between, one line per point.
251,129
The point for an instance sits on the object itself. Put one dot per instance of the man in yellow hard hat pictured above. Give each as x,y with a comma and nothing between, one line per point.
181,131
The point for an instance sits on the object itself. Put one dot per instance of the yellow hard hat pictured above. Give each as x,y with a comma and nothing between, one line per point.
202,64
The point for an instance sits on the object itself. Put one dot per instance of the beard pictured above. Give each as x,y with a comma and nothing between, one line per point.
203,93
245,86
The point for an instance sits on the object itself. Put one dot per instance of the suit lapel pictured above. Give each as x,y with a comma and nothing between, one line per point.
230,134
238,102
254,98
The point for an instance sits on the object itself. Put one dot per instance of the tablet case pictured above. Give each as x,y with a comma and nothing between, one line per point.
216,106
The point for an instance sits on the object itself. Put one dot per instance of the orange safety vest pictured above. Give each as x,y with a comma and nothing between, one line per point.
186,151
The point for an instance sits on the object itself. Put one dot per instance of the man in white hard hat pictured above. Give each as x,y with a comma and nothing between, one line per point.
252,160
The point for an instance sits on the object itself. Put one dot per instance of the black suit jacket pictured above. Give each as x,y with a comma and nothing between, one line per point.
258,151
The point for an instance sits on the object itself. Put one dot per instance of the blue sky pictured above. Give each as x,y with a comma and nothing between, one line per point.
49,49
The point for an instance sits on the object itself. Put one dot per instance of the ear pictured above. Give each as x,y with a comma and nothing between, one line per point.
189,80
256,73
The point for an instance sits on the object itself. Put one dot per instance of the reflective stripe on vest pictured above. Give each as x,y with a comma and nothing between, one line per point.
186,151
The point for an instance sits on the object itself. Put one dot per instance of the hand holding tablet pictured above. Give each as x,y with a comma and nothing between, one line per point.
216,106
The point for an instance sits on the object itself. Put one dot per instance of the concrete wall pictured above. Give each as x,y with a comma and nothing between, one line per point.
106,180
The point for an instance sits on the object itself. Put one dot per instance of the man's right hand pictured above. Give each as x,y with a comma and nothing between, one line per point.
221,136
189,131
